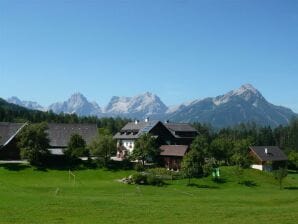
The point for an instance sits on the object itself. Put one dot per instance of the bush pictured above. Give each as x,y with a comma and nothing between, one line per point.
165,174
139,178
139,167
293,160
154,180
208,168
146,179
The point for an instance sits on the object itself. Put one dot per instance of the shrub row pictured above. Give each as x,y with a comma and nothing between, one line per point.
147,179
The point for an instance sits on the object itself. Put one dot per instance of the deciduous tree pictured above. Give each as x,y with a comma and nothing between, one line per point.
34,143
76,147
104,147
145,149
280,175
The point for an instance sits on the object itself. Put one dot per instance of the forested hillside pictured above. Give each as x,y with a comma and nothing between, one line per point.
13,113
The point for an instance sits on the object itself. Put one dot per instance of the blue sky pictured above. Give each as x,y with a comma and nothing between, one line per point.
179,50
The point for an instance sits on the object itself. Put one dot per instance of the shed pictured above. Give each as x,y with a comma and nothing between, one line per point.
267,157
172,155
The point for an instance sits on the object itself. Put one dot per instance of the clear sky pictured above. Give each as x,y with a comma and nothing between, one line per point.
179,50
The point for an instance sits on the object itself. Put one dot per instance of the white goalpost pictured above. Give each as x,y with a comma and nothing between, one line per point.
72,176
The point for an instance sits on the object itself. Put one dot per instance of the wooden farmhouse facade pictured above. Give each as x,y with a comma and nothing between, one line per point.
168,136
171,155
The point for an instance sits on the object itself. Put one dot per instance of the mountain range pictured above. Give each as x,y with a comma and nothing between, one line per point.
245,104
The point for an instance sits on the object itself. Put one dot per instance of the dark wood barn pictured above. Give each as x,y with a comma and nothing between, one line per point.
183,133
60,134
172,155
8,143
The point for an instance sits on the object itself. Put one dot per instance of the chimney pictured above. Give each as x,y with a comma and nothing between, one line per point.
147,119
266,150
136,121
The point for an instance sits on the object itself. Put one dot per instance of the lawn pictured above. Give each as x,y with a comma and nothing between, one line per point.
31,196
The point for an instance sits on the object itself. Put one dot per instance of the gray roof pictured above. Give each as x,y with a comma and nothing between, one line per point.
132,126
8,131
59,134
173,150
180,127
274,153
134,130
126,136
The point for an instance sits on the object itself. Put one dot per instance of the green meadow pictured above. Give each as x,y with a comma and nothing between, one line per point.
52,196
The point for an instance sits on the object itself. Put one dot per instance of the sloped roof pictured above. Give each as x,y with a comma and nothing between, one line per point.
173,150
180,127
134,130
132,126
59,134
274,153
126,136
8,131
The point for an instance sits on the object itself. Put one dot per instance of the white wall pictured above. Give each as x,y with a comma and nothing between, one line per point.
128,144
257,167
267,168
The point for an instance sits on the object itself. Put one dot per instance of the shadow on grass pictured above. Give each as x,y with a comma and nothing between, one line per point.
42,169
67,167
14,166
291,188
292,171
219,180
248,183
204,186
63,163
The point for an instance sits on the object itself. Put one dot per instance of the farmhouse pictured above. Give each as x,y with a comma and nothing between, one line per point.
59,135
165,134
267,158
183,133
8,146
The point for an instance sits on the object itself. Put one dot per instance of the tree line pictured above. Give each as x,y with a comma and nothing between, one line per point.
14,113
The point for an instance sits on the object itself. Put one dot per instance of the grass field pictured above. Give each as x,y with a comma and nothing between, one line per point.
30,196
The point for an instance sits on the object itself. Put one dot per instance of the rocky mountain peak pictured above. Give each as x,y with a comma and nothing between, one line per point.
246,92
24,103
77,103
245,104
140,105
